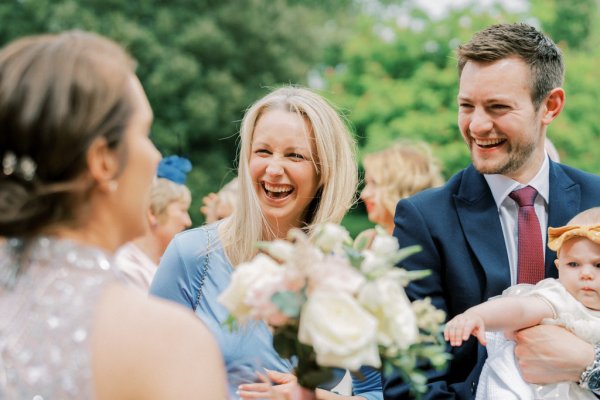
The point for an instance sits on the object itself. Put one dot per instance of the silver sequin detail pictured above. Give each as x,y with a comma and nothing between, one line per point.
46,315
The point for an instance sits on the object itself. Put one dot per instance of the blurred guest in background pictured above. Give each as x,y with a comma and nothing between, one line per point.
77,165
399,171
167,215
216,206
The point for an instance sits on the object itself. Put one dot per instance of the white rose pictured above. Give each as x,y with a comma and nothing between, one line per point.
373,264
386,299
335,273
280,249
259,294
331,236
384,245
342,333
244,277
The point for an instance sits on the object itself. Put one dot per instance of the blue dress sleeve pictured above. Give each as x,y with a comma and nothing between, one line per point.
370,387
178,278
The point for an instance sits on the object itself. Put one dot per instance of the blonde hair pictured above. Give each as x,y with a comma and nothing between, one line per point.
165,192
588,217
402,170
337,170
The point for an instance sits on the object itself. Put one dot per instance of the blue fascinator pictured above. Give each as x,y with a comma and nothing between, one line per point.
174,168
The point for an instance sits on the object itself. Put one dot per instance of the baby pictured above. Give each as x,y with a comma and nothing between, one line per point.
572,301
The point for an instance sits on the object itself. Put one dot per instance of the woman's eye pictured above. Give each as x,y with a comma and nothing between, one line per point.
262,151
296,156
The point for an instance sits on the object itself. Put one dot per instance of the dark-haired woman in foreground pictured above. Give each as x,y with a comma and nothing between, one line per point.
76,166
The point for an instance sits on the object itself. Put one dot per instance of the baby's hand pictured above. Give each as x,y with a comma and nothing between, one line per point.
459,328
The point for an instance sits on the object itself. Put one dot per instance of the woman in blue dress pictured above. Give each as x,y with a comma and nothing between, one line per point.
296,170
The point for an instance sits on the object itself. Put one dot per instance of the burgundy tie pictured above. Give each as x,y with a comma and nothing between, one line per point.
531,251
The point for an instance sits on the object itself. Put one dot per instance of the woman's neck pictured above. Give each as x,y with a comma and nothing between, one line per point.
278,231
88,236
389,228
96,225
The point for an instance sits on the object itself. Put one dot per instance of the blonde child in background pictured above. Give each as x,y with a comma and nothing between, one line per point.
571,301
167,215
216,206
397,172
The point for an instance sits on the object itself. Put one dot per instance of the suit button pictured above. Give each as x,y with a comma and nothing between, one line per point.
473,387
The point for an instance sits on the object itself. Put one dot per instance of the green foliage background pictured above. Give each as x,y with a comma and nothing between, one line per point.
396,76
388,66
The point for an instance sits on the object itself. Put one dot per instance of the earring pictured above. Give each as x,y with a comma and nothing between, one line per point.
113,186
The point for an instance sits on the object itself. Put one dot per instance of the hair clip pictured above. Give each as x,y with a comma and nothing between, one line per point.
23,166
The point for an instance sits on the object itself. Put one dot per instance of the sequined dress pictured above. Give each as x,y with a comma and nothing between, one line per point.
48,294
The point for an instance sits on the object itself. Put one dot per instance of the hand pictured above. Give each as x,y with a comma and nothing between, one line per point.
459,328
286,387
550,354
209,207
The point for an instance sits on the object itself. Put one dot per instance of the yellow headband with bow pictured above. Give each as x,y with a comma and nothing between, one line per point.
558,236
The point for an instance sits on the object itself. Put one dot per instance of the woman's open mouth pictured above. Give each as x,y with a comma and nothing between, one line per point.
277,192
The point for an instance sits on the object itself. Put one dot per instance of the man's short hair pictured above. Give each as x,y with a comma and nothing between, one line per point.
520,40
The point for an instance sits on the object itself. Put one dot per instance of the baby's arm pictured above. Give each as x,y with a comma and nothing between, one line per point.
504,313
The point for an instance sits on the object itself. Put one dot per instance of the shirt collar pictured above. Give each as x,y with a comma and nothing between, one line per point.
501,186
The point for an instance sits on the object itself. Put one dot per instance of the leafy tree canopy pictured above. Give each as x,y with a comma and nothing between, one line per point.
202,62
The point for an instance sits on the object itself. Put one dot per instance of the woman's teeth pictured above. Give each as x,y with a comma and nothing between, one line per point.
277,191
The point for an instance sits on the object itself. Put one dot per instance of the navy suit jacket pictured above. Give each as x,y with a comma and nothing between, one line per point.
459,230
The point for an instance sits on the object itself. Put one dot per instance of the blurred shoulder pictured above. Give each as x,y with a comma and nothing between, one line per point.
137,338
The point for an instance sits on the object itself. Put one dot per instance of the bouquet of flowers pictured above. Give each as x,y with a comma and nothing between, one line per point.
335,302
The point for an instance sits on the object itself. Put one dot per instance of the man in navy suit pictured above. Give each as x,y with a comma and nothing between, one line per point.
509,93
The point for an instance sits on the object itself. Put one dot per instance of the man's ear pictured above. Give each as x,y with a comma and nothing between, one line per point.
103,164
553,105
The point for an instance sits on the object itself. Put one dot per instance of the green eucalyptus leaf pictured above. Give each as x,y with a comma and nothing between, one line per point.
231,323
354,256
289,303
404,253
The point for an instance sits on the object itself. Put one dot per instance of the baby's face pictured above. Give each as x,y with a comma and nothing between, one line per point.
579,270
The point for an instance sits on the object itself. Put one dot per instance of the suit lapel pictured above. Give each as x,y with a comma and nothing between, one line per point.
478,215
564,203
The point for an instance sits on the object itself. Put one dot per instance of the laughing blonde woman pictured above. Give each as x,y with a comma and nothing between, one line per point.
296,170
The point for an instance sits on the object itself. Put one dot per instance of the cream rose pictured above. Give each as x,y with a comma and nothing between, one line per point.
335,274
373,264
384,245
342,333
386,299
331,236
245,277
281,250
